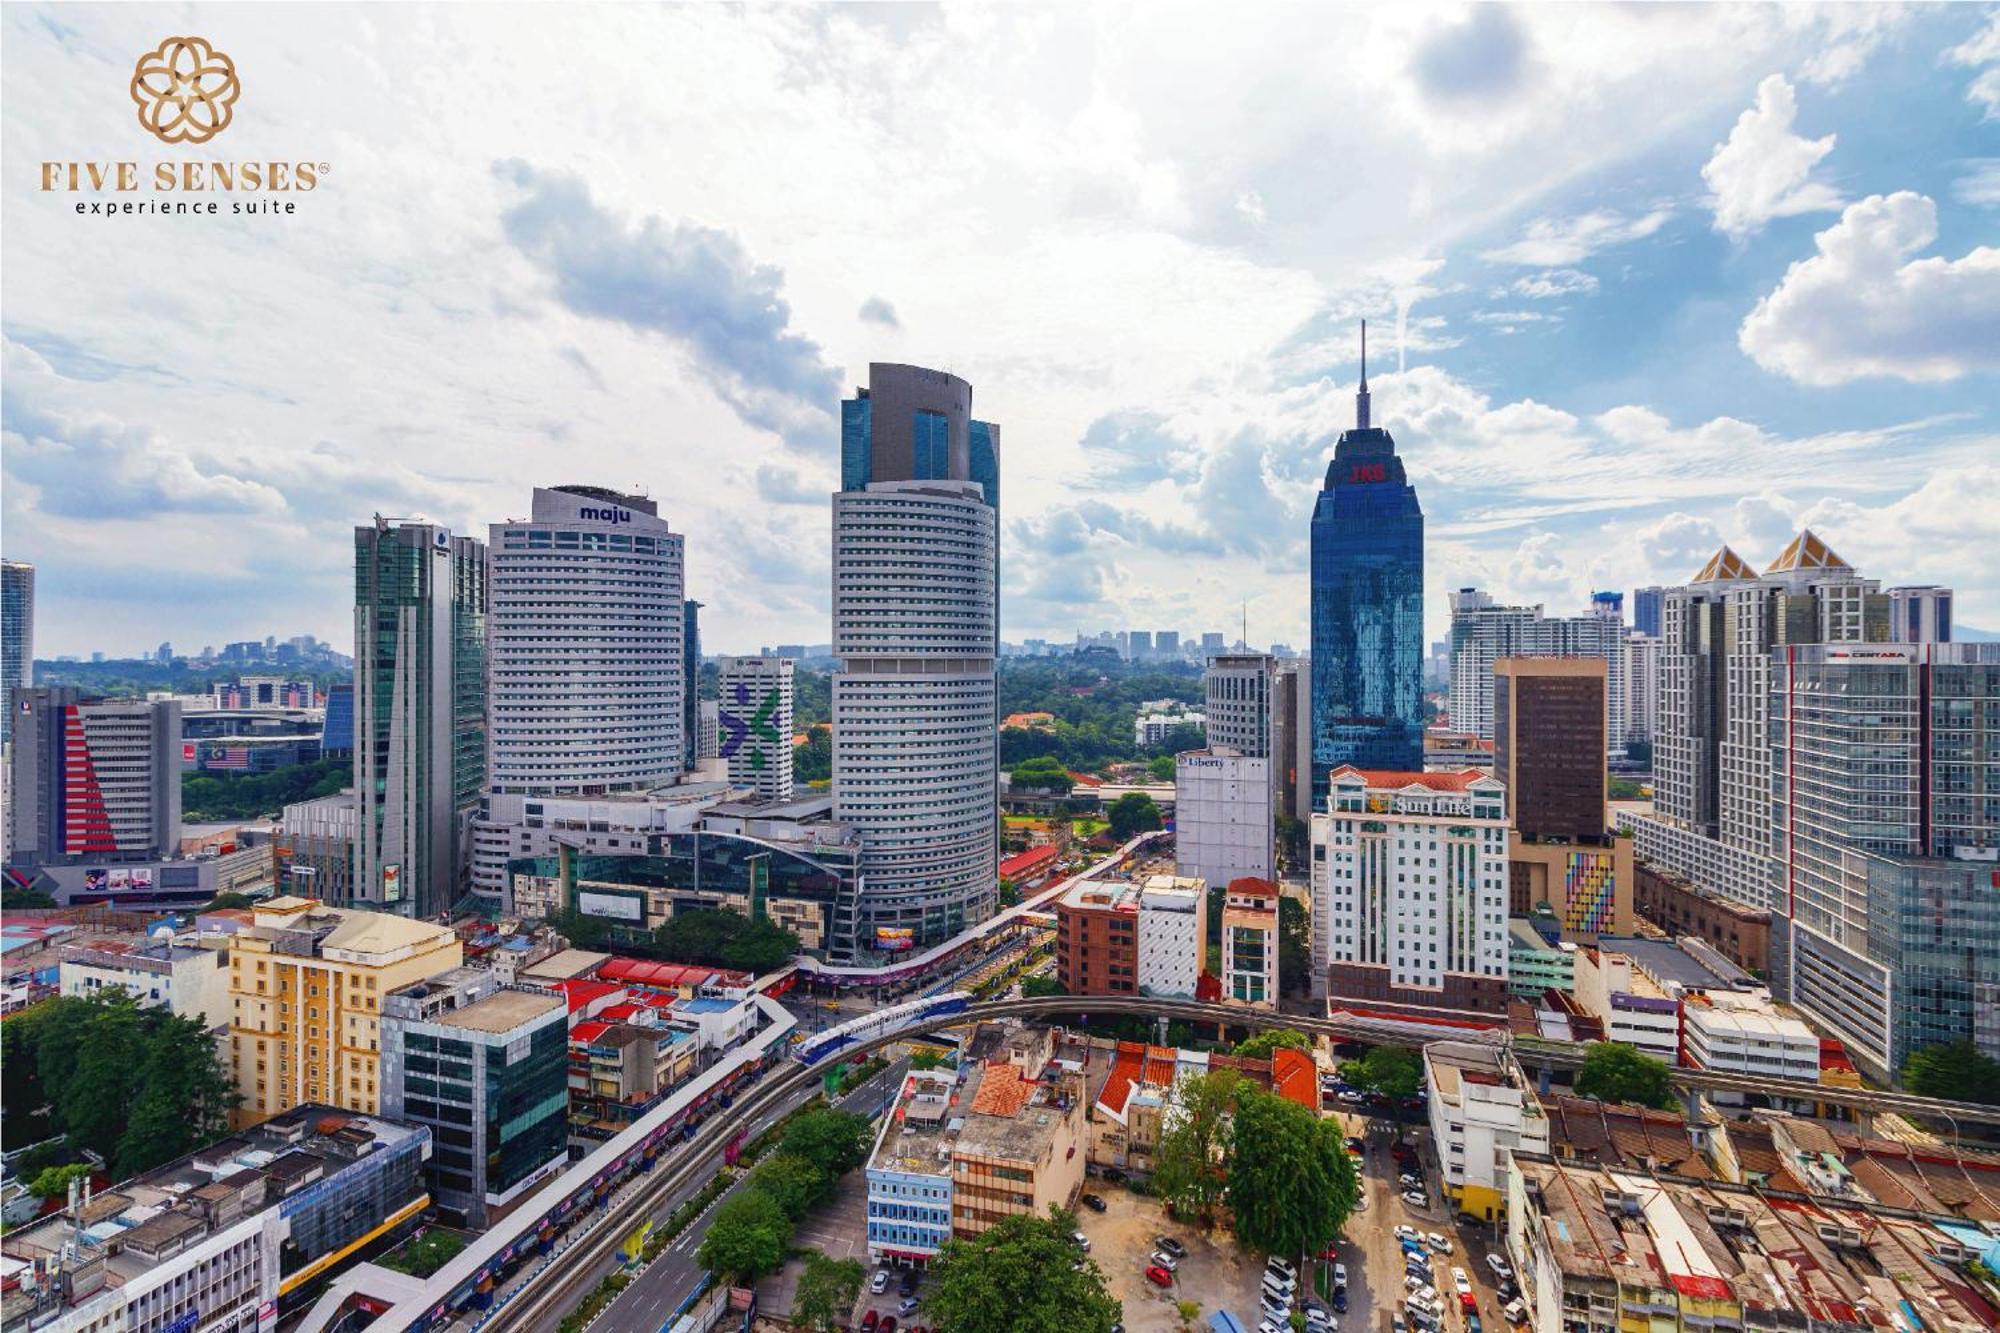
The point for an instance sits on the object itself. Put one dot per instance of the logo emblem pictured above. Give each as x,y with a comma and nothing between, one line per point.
186,90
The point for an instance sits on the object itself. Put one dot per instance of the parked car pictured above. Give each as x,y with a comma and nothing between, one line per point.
1357,1143
1340,1300
1410,1179
1459,1281
1413,1283
1081,1241
1319,1321
1500,1267
1171,1246
1407,1232
1339,1276
870,1322
1092,1202
1165,1260
1159,1276
907,1283
1268,1325
1467,1304
1472,1323
1282,1270
908,1307
1396,1324
1440,1242
1414,1199
880,1282
1514,1312
888,1324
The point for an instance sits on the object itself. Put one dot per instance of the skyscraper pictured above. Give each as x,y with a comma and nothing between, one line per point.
1367,606
755,715
17,633
1920,614
1646,604
691,675
419,711
92,780
1482,633
1642,687
1711,819
587,684
916,629
1885,799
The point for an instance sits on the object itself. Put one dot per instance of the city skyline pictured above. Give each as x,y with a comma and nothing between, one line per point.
1601,359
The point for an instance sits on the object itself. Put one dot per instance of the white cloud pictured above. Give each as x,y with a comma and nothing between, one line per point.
1550,242
1981,52
1764,170
1251,205
1979,184
1864,305
1550,283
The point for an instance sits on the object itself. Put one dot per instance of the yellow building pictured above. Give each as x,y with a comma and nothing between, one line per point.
306,984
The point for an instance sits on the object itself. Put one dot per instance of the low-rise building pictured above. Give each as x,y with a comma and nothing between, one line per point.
1140,1093
960,1151
1153,726
216,1239
1628,1002
314,847
1534,964
1739,1033
485,1068
1097,938
1481,1111
1677,906
1173,935
188,983
1250,943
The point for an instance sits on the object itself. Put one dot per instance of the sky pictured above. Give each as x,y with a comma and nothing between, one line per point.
1640,280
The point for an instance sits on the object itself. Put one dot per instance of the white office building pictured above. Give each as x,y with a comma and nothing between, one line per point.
1482,1111
1920,614
1152,727
1237,687
1173,935
755,719
188,983
1223,818
514,826
586,675
1410,889
1482,633
1642,686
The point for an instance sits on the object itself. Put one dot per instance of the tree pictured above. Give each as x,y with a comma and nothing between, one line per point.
813,761
746,1239
24,900
827,1292
53,1182
1191,1166
1294,947
1035,988
227,900
1133,813
1291,1182
1020,1276
1182,736
1043,773
1260,1045
1160,768
1393,1071
1187,1312
1614,1071
833,1141
717,938
793,1183
1954,1071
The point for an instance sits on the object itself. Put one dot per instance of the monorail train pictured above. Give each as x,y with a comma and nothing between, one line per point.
881,1023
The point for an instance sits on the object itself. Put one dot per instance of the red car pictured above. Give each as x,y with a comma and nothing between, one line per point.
869,1322
1467,1303
1159,1276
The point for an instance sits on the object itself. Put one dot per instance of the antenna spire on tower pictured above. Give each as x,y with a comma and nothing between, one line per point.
1361,397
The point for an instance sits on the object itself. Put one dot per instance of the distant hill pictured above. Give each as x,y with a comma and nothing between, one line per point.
1967,634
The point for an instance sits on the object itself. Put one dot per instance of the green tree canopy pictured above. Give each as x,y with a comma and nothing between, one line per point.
835,1142
1954,1071
794,1183
1393,1071
1291,1182
53,1182
1191,1167
827,1292
725,939
747,1237
1259,1045
24,900
1614,1071
1020,1276
1042,773
1294,947
1133,813
248,795
1160,768
1035,988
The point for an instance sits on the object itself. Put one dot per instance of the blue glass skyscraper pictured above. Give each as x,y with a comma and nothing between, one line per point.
1367,606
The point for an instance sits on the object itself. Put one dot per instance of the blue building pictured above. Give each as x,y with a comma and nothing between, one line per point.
337,734
1367,607
1646,604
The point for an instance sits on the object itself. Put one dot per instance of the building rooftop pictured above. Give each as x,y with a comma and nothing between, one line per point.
1668,964
1102,895
1385,779
565,964
502,1011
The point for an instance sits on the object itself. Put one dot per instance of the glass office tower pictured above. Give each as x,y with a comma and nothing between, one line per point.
1367,607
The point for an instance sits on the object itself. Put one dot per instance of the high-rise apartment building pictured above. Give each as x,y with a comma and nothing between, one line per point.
92,780
1482,633
419,711
1885,763
1139,644
1367,606
1167,645
1291,737
486,1069
916,628
17,632
306,984
1711,819
1642,687
1920,614
1409,880
691,687
587,681
1646,604
1238,703
1548,750
755,715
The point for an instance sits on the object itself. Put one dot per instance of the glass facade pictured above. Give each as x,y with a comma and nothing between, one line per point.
930,446
857,417
1367,612
337,731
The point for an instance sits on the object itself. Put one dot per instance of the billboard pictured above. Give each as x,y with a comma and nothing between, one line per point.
616,905
142,877
392,883
121,879
94,879
895,939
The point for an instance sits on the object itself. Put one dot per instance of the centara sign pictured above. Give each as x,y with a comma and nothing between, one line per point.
605,515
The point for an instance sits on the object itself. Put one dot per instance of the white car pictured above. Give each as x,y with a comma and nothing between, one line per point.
1414,1199
1460,1282
1439,1242
1405,1231
1319,1321
1500,1267
1515,1312
1340,1275
1413,1283
1283,1271
880,1282
1165,1260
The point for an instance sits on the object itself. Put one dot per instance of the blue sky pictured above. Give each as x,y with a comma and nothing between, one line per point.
1640,280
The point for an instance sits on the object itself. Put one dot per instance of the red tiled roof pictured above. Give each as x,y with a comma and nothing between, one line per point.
1002,1092
581,992
1295,1077
618,1013
585,1033
641,972
1396,778
1023,862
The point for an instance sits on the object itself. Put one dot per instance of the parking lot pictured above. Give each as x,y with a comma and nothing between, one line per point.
1215,1274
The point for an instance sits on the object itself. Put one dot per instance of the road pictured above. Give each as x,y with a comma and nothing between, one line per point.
656,1293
